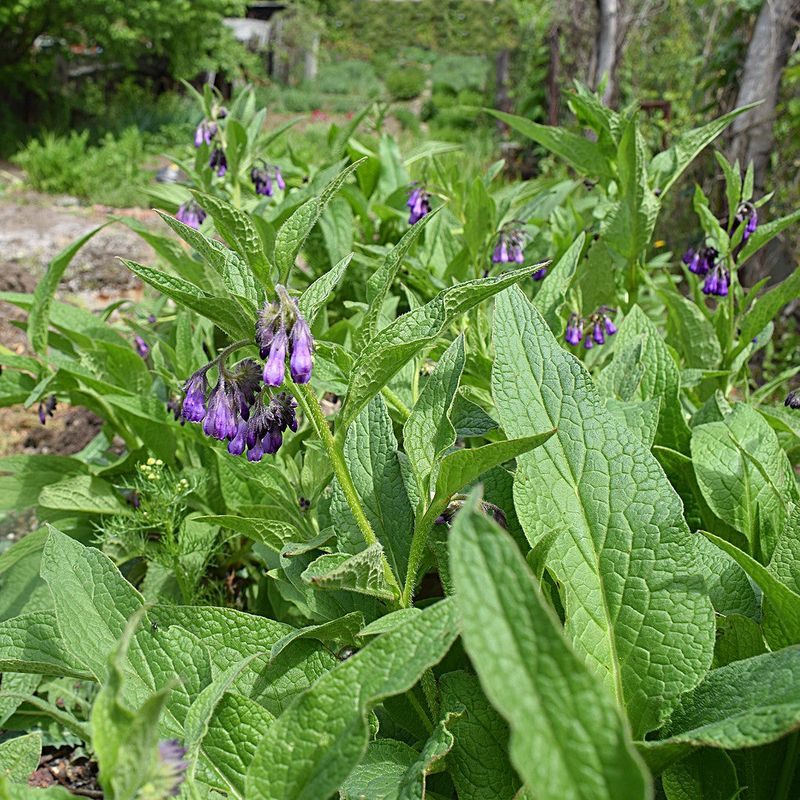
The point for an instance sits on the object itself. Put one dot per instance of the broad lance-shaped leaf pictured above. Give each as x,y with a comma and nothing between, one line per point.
370,452
235,273
295,230
703,775
222,311
667,166
314,298
362,573
393,346
478,762
238,230
781,604
314,745
39,318
428,432
621,550
19,757
582,153
346,629
568,739
745,476
659,376
744,704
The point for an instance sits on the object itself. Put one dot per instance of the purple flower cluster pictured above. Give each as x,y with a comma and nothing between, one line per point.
205,132
281,329
237,411
703,262
191,214
792,399
510,247
592,330
218,161
263,178
418,204
746,211
47,408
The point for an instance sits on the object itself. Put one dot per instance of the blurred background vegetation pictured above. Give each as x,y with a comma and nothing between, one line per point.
92,91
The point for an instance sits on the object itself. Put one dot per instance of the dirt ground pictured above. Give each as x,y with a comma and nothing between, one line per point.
33,229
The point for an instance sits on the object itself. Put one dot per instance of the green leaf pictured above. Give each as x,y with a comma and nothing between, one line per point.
765,233
222,311
388,622
478,762
21,588
15,688
633,218
691,332
461,467
393,346
346,628
235,273
438,745
704,775
738,638
234,731
582,153
428,432
657,376
238,230
745,476
39,318
19,757
316,296
295,760
295,230
379,773
554,706
370,452
668,166
32,643
744,704
16,791
231,636
125,741
273,533
782,605
785,561
362,573
641,417
83,493
766,308
614,520
551,297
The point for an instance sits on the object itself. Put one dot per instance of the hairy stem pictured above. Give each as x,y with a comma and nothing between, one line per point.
419,540
313,412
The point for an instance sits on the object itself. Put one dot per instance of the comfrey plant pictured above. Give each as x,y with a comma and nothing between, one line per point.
418,204
397,595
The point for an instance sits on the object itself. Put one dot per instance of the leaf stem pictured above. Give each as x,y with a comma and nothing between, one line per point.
396,402
313,412
419,540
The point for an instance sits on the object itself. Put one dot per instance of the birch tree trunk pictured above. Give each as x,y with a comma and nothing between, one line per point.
604,61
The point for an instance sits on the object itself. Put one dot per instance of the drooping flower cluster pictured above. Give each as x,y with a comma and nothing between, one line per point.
748,214
47,408
592,330
281,329
418,204
792,399
205,132
703,262
218,161
191,214
239,409
263,178
510,247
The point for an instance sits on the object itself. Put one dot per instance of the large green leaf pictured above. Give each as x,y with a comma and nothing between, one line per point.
393,346
766,308
744,704
39,318
745,476
313,746
19,757
568,739
316,296
362,573
428,432
636,609
551,297
657,376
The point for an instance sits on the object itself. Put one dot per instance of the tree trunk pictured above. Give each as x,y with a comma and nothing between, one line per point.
604,60
552,76
767,54
752,137
502,68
